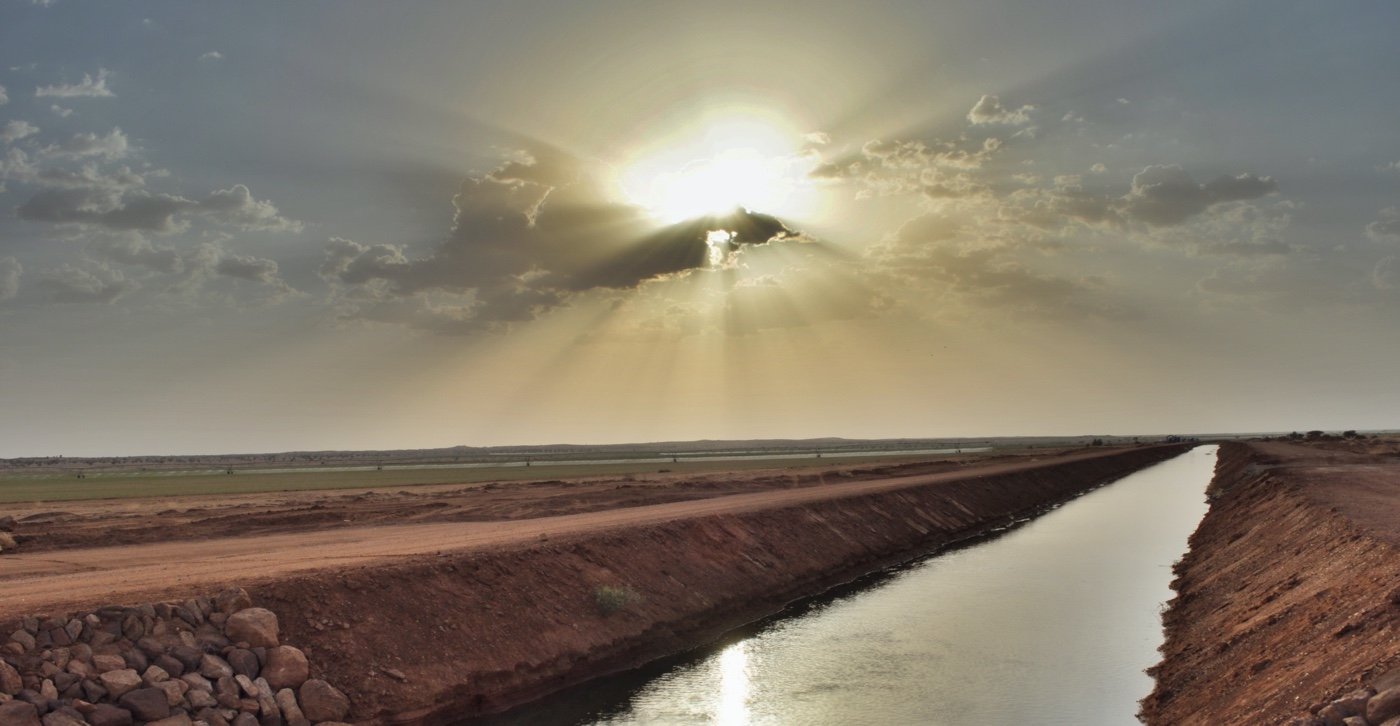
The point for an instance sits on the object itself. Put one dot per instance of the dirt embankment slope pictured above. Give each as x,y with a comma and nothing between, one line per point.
1288,595
476,633
429,619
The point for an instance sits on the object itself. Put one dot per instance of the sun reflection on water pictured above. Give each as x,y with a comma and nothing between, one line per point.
733,707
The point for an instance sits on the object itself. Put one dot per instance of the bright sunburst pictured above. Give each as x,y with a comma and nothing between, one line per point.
738,163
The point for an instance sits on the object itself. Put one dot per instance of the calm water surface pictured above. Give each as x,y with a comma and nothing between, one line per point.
1052,623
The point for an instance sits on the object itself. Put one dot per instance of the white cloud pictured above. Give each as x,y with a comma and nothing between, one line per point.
1387,227
990,111
61,111
112,146
4,99
88,87
212,55
16,130
1098,169
10,271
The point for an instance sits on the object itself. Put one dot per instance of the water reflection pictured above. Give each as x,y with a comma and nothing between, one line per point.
733,707
1051,624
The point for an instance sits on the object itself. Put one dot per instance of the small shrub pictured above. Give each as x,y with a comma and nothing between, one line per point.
611,598
7,541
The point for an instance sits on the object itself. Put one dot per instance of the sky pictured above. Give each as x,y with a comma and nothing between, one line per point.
265,226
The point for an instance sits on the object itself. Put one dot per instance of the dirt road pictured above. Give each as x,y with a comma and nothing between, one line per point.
43,581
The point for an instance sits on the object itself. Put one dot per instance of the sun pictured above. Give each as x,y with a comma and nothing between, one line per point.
721,166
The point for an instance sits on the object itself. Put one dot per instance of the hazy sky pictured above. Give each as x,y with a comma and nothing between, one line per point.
263,226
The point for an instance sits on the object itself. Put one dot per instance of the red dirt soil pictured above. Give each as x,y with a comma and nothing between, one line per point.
1286,598
478,616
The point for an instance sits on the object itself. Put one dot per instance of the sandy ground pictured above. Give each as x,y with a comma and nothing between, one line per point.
94,552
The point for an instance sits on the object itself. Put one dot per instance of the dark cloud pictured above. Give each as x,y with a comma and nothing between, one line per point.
133,249
148,212
1166,195
528,236
69,284
243,267
101,202
10,270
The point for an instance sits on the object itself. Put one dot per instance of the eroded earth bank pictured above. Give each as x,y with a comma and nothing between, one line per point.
439,621
1288,601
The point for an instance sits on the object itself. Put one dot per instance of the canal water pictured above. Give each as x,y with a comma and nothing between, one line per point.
1051,623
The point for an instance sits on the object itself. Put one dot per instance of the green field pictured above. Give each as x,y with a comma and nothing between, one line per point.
57,487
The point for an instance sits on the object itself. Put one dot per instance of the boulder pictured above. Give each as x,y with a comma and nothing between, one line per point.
1387,680
171,665
153,675
200,700
63,717
198,682
179,718
232,600
151,647
80,669
291,710
267,700
23,637
10,682
255,626
18,713
174,691
119,683
103,662
93,692
286,668
214,667
146,704
246,684
320,701
245,719
1383,706
105,714
189,657
244,663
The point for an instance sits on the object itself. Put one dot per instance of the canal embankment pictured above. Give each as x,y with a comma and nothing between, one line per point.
1288,600
439,639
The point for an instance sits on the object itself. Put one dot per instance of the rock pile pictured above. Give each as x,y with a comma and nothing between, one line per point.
203,662
1375,705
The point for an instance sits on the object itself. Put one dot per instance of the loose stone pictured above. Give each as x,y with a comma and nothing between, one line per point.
320,701
286,667
1383,706
212,666
255,626
146,704
244,663
18,713
119,683
105,714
